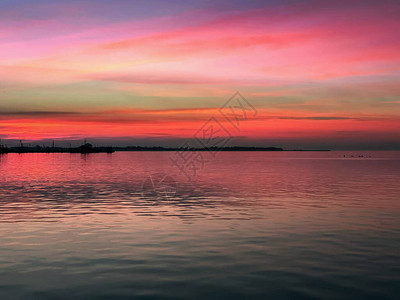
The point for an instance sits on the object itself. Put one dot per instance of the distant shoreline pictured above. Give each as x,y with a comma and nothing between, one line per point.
237,148
39,149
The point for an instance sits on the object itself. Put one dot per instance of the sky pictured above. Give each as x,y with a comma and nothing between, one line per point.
320,74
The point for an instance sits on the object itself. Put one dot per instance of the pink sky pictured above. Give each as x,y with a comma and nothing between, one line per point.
320,73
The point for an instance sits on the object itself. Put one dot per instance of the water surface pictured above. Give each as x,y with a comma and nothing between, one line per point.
255,224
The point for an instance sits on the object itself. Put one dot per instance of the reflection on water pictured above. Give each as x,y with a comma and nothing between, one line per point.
259,224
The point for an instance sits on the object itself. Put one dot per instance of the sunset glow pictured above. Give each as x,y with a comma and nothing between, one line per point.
320,74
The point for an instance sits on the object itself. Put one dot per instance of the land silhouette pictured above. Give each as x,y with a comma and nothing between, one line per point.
89,148
84,148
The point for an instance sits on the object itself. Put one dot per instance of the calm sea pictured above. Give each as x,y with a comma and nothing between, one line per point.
251,225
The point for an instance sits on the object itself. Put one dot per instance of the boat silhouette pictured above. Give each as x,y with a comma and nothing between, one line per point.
88,148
